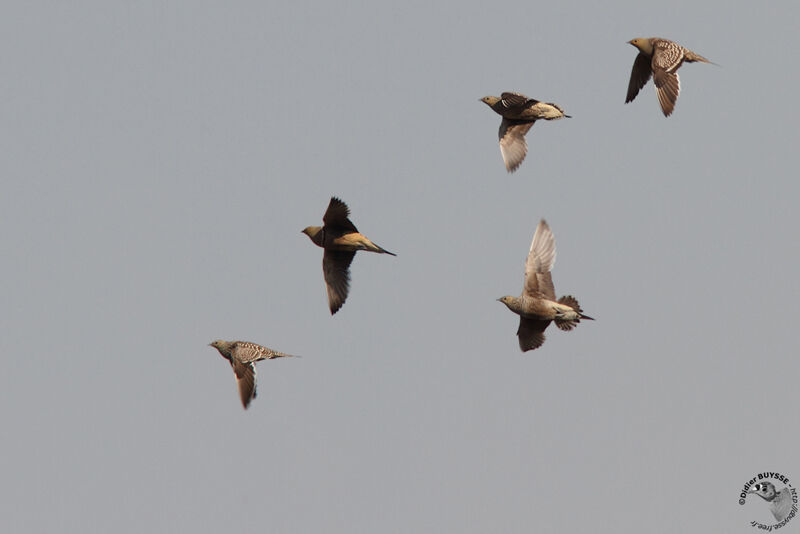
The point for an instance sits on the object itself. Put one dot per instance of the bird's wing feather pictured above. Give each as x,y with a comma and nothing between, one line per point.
515,100
513,145
540,261
246,352
531,333
667,55
246,380
640,73
337,215
668,87
545,287
336,268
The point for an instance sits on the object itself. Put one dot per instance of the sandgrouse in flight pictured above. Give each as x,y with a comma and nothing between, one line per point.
340,239
537,305
243,356
519,113
661,59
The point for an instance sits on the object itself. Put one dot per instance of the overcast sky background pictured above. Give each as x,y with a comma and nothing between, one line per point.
160,159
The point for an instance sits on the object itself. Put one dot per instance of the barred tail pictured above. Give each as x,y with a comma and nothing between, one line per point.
569,324
691,57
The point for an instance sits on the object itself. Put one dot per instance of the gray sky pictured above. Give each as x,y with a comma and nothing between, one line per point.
160,159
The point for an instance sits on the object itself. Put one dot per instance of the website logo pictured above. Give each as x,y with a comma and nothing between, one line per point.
770,494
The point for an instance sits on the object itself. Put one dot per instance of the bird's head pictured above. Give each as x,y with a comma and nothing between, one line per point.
490,100
765,490
222,346
508,300
311,231
643,44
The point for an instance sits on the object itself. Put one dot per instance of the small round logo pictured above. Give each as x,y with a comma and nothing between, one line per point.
770,494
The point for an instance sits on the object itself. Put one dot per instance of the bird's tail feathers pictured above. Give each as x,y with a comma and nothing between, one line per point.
565,324
276,354
379,249
691,57
572,302
362,242
549,114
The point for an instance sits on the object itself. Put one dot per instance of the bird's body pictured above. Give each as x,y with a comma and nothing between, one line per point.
519,114
340,239
242,356
780,502
541,308
659,58
537,305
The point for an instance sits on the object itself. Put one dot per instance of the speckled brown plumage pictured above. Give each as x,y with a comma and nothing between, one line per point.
242,356
537,305
659,58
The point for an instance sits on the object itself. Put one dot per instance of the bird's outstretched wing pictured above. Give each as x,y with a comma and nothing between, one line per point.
531,333
668,87
667,57
336,269
640,73
246,380
540,261
337,215
513,146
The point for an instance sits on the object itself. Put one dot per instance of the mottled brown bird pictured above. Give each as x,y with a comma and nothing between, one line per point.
340,239
780,502
242,356
537,305
519,113
660,58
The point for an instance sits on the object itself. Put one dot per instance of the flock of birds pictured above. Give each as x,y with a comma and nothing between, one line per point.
536,306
